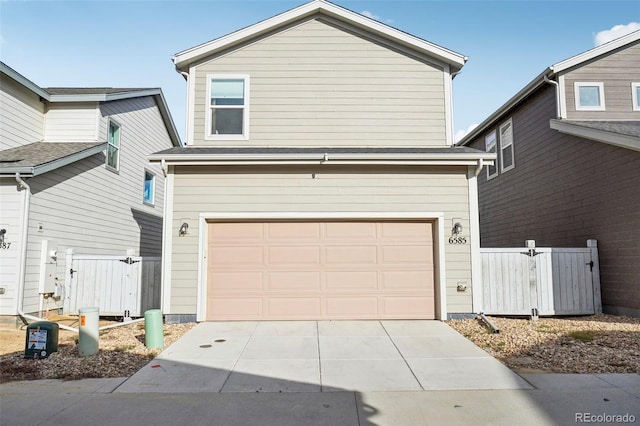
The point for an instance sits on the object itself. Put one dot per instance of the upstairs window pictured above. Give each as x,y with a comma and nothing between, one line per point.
589,96
149,188
490,146
228,107
113,146
635,95
506,146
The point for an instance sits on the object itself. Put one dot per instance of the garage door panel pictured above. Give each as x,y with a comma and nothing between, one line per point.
408,307
350,231
230,257
320,270
406,231
235,308
419,282
351,307
296,256
236,281
350,255
237,232
294,281
346,281
287,231
407,254
294,307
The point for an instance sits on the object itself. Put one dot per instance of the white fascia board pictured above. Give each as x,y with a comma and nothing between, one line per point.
104,97
31,171
186,57
22,80
436,158
596,51
623,141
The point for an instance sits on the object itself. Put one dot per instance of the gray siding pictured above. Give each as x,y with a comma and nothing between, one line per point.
318,85
21,115
563,191
315,189
616,71
93,210
67,122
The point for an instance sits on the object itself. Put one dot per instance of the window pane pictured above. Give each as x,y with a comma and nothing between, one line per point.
227,121
637,96
114,135
148,187
507,157
589,96
112,156
227,92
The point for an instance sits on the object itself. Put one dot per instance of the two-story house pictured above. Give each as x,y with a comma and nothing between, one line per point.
568,165
319,180
74,175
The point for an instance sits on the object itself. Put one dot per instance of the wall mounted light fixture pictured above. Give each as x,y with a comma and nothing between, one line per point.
457,229
183,229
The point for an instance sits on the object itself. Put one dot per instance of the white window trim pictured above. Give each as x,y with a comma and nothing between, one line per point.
576,88
495,145
119,148
153,189
207,108
503,169
634,96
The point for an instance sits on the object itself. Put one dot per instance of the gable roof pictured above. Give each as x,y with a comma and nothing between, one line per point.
96,94
311,10
40,157
549,73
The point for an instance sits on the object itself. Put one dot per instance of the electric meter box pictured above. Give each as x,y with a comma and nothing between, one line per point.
42,339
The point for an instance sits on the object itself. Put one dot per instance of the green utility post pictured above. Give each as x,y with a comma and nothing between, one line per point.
153,333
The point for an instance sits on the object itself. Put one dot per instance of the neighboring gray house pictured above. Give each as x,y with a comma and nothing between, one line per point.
319,179
74,174
569,165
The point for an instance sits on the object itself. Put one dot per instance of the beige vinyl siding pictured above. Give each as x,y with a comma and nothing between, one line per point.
68,122
11,220
318,85
21,115
316,189
616,71
93,210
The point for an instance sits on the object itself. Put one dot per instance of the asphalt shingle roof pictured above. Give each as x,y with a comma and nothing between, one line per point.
40,153
627,128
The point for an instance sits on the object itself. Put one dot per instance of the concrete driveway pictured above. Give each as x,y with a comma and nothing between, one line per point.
322,356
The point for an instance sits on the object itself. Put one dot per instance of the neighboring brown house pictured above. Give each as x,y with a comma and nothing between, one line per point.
568,165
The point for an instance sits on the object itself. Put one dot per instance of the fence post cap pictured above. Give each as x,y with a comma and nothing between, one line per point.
592,243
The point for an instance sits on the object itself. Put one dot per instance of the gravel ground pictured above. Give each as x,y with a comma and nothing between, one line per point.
593,344
122,353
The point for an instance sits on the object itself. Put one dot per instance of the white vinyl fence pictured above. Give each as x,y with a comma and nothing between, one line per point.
553,281
118,285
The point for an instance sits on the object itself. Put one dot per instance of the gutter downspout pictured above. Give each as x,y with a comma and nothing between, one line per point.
165,169
555,83
479,167
23,260
186,130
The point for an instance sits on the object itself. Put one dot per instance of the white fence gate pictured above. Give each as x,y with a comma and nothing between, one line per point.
554,281
117,285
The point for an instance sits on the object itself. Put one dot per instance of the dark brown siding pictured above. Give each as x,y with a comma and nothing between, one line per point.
563,191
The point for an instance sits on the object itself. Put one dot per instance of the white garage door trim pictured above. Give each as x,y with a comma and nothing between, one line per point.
439,237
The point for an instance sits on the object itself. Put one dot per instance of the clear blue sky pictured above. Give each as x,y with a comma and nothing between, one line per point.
130,43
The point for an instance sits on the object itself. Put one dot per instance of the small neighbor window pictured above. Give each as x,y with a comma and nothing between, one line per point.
228,107
589,96
490,146
635,95
149,187
506,146
113,146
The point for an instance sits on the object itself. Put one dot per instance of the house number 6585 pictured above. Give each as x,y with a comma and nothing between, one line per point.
458,240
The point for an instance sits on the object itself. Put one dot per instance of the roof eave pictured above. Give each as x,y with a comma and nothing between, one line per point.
616,139
32,171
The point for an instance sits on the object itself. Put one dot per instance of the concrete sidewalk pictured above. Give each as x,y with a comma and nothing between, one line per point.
557,399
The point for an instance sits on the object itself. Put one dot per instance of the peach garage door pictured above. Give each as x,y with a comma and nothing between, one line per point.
320,270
